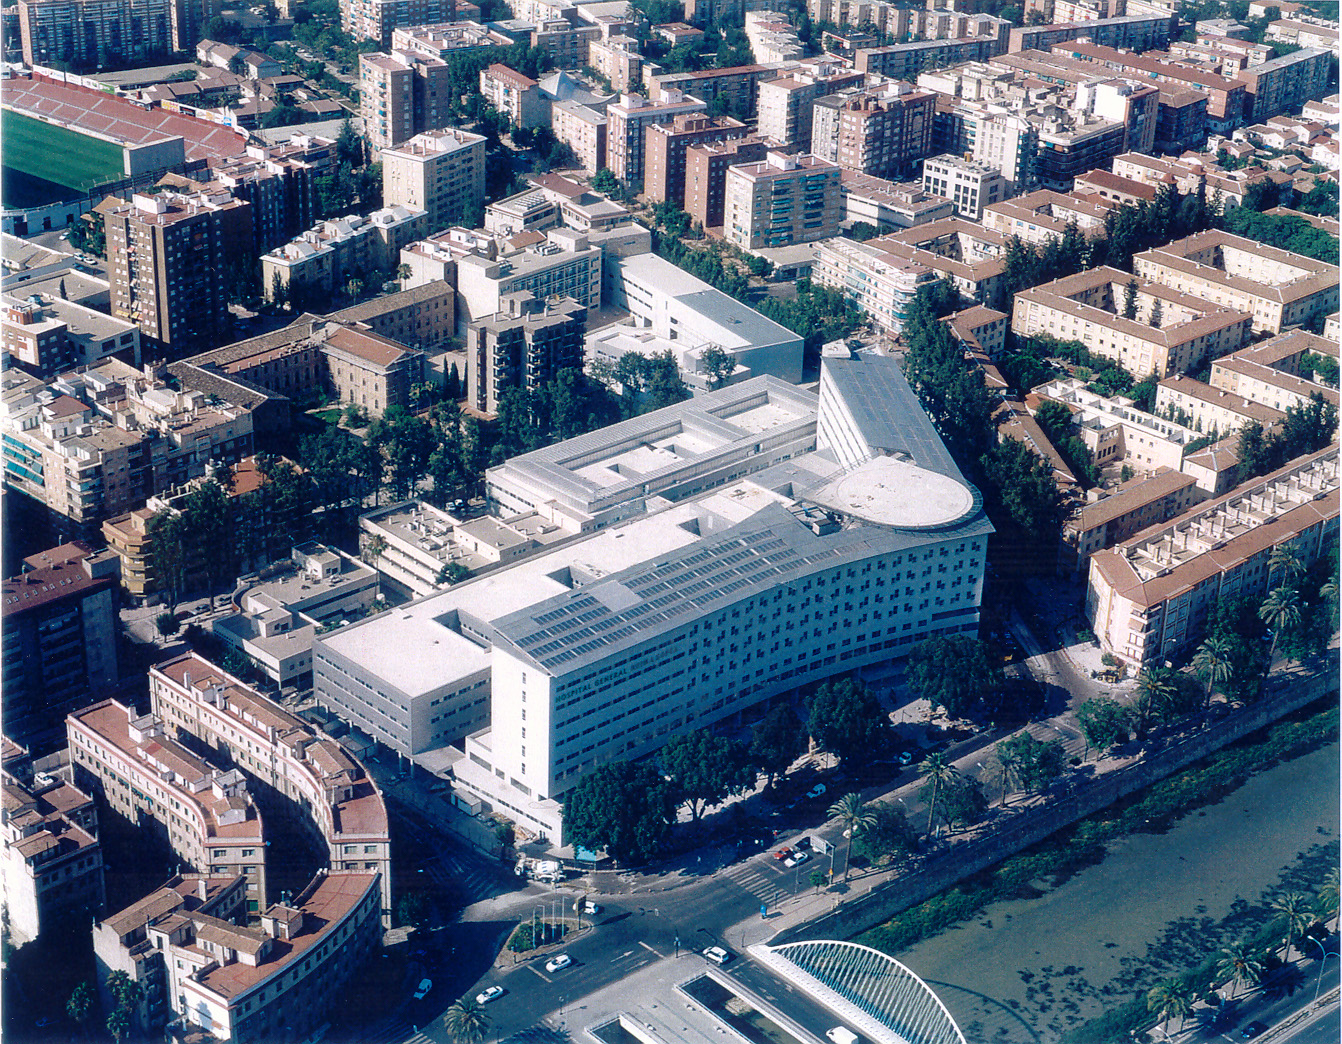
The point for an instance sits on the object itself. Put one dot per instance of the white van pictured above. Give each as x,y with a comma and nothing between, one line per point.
840,1035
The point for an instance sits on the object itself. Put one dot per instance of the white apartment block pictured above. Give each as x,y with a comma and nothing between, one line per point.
1270,372
51,863
970,186
564,265
1210,410
1170,332
439,172
772,38
322,258
203,812
607,647
1040,216
329,795
1150,597
883,285
781,201
1277,288
889,204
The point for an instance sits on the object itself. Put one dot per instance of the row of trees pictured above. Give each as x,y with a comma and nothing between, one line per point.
126,995
1307,428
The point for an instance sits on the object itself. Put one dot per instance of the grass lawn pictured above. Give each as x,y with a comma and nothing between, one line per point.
330,416
58,155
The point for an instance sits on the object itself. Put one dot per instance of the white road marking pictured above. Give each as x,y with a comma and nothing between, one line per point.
650,949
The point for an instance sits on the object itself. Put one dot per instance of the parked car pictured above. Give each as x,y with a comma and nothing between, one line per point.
485,996
803,843
1252,1030
554,964
717,955
796,859
422,990
906,757
782,854
587,906
816,791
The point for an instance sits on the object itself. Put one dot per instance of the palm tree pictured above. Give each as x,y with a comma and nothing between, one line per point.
1168,999
1294,910
403,272
1010,762
1239,967
1286,558
938,771
1325,902
466,1022
1155,689
1213,665
374,549
1280,611
856,816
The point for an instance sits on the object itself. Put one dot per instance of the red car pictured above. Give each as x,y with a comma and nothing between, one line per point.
782,853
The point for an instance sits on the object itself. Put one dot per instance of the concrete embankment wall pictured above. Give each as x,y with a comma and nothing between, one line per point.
1029,824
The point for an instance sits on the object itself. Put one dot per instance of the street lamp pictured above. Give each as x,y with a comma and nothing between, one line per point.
1323,961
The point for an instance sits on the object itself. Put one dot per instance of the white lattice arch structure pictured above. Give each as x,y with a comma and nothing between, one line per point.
886,993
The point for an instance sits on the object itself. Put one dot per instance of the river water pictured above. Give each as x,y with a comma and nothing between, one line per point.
1028,970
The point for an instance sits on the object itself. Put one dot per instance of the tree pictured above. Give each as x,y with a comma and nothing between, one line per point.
466,1022
168,531
1281,612
1022,486
167,624
209,518
855,816
1033,763
1169,999
953,673
624,807
80,1005
1155,690
413,909
354,287
1130,300
887,834
605,182
1238,966
1286,560
939,774
1326,902
119,1025
1104,722
1213,664
404,272
1293,910
373,549
704,770
452,573
776,741
719,366
846,720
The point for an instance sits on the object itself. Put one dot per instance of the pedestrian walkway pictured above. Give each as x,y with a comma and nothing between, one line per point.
468,881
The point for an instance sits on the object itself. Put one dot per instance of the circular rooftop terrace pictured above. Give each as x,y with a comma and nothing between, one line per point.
888,491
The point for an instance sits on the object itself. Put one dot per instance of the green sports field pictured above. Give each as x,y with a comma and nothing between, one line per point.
56,154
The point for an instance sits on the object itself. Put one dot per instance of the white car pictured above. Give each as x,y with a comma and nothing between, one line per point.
587,906
422,990
554,964
717,955
796,858
485,996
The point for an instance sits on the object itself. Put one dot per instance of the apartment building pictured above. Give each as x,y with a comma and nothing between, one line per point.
904,61
1117,432
619,60
1285,83
883,131
308,781
1143,32
51,862
1169,332
785,104
564,264
367,369
321,260
1181,119
52,31
439,172
597,480
582,129
780,201
203,813
523,346
1269,372
514,95
1135,505
881,283
566,43
736,86
665,147
922,555
889,204
706,175
404,91
376,19
772,37
121,940
1277,288
168,260
1040,216
626,129
1188,176
1211,410
968,185
981,330
1150,597
959,18
44,335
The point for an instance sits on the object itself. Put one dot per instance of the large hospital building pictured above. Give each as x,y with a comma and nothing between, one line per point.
605,647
